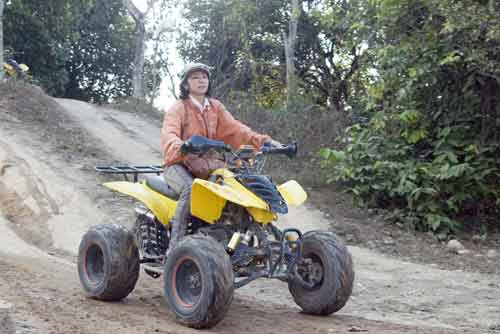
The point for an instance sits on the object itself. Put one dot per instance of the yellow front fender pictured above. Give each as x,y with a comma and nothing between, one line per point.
161,206
292,193
208,200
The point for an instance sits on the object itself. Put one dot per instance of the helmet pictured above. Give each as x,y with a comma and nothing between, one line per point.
189,68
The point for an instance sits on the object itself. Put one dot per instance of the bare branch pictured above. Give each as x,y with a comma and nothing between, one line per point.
354,65
150,6
136,14
172,82
489,75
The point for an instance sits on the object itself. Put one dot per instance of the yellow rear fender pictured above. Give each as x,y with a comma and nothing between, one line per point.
9,69
292,193
208,200
161,206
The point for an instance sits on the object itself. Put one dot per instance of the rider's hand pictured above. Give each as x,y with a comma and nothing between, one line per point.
274,143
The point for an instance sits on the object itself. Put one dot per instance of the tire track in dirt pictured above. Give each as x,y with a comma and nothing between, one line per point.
387,289
49,300
131,139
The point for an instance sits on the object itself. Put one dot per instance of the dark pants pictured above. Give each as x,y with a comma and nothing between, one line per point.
180,180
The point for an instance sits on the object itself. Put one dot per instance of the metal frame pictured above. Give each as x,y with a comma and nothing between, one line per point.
280,261
130,169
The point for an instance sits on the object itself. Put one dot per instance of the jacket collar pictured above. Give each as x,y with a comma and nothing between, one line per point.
198,105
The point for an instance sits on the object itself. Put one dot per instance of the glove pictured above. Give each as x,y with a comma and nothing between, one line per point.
201,167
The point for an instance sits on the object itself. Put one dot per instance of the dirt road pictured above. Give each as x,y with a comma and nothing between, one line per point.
50,195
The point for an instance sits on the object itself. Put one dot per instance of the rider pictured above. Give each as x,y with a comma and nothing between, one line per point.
195,113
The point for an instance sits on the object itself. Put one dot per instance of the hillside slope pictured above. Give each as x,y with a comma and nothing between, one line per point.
50,195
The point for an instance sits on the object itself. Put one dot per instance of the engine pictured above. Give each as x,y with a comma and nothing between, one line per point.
152,237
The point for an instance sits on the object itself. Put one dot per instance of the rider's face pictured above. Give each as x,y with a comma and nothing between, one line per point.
198,83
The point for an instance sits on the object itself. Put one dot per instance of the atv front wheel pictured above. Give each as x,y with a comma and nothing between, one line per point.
108,262
327,268
198,280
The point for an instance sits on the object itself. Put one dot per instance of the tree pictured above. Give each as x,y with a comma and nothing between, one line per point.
35,32
160,31
332,48
78,49
206,39
429,145
242,40
256,45
1,39
100,52
289,41
140,45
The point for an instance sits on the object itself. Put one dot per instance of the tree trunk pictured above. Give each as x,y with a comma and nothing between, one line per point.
489,114
289,41
138,73
2,3
140,42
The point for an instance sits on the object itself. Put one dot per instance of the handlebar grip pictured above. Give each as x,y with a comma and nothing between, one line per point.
289,150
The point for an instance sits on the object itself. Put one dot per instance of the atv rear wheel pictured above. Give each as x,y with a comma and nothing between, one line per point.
198,280
329,269
108,262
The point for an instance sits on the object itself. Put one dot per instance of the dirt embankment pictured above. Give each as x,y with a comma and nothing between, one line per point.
50,195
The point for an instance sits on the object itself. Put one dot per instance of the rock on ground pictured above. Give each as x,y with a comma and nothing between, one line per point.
455,246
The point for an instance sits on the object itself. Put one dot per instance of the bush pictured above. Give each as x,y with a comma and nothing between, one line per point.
452,178
429,149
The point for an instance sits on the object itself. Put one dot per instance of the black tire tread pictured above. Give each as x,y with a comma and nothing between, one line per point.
123,258
222,274
341,260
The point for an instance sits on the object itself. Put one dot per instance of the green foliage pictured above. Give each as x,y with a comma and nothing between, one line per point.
334,37
429,150
241,40
244,41
429,191
79,49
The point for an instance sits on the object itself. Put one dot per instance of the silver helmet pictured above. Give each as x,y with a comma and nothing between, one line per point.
190,68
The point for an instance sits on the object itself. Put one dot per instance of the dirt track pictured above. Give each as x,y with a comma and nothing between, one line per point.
49,196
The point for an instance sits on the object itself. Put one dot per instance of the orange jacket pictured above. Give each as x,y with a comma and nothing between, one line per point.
184,120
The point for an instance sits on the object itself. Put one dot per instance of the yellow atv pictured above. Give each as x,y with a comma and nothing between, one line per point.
230,241
15,70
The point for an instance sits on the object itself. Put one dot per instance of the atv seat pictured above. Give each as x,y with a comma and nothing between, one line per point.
158,184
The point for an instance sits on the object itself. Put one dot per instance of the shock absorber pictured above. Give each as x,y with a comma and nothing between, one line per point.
238,238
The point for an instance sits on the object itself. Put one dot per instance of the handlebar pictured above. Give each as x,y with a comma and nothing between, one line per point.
201,145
